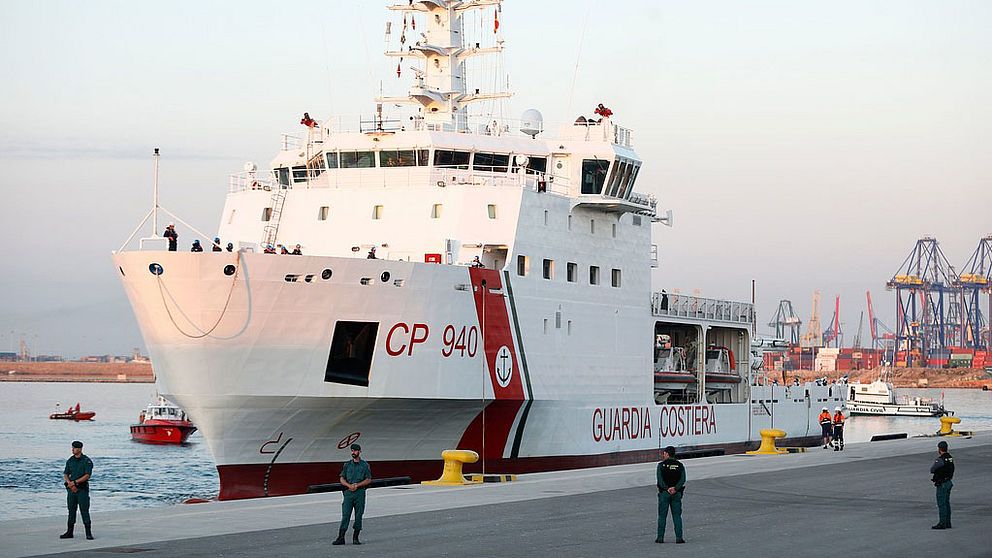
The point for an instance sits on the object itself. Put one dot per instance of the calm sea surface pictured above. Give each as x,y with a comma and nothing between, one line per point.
33,449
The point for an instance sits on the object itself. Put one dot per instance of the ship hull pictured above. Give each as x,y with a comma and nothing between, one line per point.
247,344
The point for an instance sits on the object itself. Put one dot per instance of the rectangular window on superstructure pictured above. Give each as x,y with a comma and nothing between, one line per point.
571,272
397,158
491,208
592,226
282,175
630,183
537,165
637,220
594,175
299,174
545,217
357,159
323,212
332,159
451,159
423,157
549,269
616,278
611,184
491,162
594,275
614,230
523,265
266,213
569,222
377,212
625,182
436,211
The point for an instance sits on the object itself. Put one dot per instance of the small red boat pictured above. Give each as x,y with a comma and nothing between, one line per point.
72,414
162,423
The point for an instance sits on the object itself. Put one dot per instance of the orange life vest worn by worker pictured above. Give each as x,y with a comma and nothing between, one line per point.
838,419
825,417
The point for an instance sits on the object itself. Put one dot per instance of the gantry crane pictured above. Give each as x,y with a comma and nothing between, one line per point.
861,327
976,277
833,334
814,335
924,286
786,318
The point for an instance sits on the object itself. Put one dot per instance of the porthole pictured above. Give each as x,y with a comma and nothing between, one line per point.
326,274
229,270
156,269
384,277
308,278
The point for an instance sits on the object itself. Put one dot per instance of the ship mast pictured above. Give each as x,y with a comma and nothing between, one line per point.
439,88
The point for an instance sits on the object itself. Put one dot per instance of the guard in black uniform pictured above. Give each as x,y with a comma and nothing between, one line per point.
943,471
173,236
671,485
76,475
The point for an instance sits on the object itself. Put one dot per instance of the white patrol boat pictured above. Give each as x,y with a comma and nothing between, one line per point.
878,398
468,281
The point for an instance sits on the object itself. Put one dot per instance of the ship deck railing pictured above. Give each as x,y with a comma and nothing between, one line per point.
695,307
380,177
582,129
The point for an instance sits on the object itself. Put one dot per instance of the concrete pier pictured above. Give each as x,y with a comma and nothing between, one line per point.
873,499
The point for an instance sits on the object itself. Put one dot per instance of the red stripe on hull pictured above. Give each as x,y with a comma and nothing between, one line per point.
499,419
249,481
496,334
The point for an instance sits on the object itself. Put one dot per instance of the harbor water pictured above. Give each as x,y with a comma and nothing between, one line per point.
127,474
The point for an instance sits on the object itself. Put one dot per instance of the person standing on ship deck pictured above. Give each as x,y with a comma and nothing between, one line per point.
671,485
173,236
76,477
943,471
355,476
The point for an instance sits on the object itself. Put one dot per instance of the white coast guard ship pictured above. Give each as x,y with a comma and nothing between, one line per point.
541,356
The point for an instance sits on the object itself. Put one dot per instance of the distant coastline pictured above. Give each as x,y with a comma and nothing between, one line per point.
107,372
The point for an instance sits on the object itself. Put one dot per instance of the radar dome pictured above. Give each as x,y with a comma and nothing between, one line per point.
531,122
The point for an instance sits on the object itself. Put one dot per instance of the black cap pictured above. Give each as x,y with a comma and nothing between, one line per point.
78,444
942,445
670,450
356,447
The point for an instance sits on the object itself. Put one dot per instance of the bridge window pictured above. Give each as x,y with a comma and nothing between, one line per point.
332,160
322,213
611,186
452,159
357,159
628,180
593,175
549,269
616,278
282,175
491,162
571,272
399,158
299,174
594,275
523,265
537,165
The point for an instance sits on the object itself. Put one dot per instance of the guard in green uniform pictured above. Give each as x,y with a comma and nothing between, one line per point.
77,473
671,485
355,476
943,471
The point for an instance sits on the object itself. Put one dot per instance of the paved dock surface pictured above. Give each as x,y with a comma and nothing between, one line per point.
873,499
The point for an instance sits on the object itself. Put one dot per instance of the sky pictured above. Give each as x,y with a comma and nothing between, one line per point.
802,145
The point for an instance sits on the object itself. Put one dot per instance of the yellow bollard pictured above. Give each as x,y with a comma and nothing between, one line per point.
452,474
947,426
768,436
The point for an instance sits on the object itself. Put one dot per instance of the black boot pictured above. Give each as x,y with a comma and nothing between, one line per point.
354,538
89,534
68,532
340,539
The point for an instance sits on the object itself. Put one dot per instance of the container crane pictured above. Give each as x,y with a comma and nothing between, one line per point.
975,278
833,334
861,327
814,335
786,318
925,291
